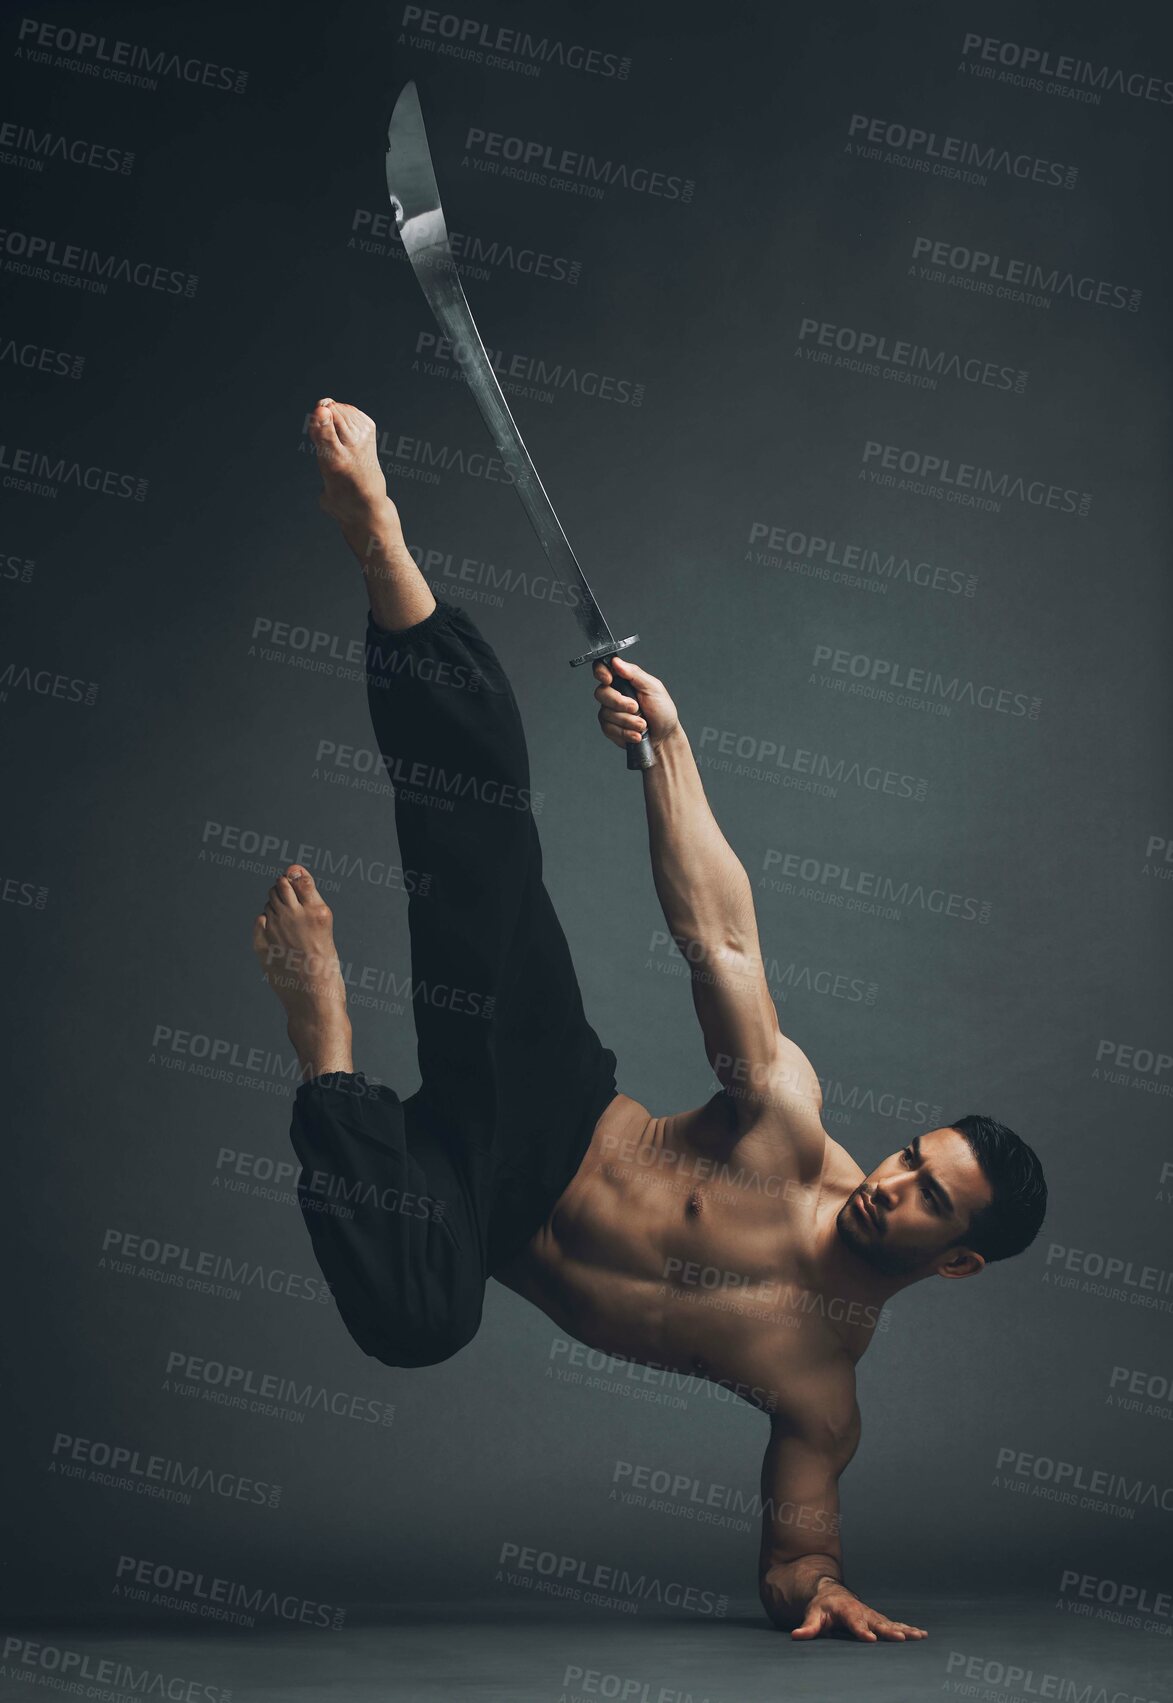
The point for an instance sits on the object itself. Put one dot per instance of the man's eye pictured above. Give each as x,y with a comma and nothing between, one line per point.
927,1194
906,1155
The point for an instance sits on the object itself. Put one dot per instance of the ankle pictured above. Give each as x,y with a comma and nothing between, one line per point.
375,532
322,1044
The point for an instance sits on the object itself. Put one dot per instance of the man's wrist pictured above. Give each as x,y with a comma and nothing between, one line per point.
672,741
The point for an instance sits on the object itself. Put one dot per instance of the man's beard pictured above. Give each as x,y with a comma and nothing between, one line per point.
872,1250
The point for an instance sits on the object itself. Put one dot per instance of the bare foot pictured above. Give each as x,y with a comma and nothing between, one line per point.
354,492
293,939
354,487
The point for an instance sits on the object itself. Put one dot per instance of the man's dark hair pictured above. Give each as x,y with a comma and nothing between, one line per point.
1011,1221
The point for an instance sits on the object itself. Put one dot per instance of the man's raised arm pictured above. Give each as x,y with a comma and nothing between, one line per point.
707,900
800,1566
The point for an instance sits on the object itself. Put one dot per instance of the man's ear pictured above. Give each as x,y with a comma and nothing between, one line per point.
961,1262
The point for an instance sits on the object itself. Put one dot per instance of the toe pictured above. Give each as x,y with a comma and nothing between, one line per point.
322,423
302,882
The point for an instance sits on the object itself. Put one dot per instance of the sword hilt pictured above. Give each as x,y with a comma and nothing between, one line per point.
641,755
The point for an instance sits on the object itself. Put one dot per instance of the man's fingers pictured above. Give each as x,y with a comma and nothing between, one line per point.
622,722
895,1628
623,669
614,699
812,1625
616,735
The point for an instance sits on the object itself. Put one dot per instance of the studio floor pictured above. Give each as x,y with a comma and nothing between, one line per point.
509,1653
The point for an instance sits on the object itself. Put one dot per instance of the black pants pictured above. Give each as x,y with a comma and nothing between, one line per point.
411,1205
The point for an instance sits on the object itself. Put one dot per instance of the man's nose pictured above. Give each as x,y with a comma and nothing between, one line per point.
883,1193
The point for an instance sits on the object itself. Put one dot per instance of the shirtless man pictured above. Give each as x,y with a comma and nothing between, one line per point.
735,1242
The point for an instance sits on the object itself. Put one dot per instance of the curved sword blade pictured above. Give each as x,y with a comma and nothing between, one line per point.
415,196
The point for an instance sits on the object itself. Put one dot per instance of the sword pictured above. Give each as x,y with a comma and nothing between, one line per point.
419,217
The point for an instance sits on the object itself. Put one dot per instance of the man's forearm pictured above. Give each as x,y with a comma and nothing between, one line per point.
702,886
786,1590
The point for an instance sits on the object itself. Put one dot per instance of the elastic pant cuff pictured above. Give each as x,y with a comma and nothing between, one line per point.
419,631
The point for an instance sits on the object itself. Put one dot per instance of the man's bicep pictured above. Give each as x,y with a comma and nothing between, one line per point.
736,1015
756,1064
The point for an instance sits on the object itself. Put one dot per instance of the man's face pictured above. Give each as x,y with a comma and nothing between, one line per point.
911,1213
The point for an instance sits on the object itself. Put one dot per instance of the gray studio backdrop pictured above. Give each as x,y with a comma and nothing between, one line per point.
841,339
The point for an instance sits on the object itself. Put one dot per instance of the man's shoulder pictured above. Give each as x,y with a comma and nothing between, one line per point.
813,1398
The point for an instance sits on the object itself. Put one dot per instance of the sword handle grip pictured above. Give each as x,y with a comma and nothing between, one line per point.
639,753
640,756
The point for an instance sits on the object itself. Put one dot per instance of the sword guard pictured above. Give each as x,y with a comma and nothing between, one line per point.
602,653
640,756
